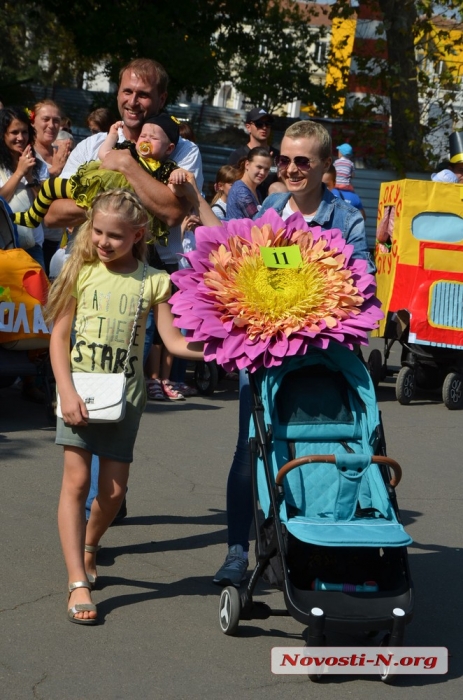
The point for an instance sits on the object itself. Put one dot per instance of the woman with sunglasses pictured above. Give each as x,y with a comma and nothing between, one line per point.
243,199
304,157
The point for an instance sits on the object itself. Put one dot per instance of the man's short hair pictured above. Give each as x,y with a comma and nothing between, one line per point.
308,129
147,68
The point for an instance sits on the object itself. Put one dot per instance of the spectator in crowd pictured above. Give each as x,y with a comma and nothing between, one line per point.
66,124
186,132
53,151
445,175
21,173
456,154
329,178
278,186
224,179
344,167
244,200
258,125
100,120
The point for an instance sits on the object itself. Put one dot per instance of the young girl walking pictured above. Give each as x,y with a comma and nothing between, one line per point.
99,287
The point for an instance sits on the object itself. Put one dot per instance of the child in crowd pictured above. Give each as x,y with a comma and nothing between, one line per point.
160,362
99,287
329,178
344,167
157,140
100,120
226,176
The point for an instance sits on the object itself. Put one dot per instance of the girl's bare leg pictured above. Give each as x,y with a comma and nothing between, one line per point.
71,521
112,484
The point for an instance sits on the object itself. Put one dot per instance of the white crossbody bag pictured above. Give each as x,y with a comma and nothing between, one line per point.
105,394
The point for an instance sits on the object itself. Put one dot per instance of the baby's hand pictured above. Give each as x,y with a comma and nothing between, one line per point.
114,128
180,176
183,184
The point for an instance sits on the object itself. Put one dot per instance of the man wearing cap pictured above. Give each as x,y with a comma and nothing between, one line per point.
258,125
456,154
344,167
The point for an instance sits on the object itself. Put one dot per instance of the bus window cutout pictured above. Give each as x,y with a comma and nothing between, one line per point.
439,227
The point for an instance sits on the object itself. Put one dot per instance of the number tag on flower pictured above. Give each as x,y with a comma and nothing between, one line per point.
289,257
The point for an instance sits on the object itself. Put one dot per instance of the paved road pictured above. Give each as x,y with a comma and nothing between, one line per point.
159,636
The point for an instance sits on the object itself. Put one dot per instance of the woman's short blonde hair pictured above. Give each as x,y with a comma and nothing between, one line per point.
308,129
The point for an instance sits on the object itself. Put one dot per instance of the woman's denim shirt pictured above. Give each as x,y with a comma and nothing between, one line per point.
332,213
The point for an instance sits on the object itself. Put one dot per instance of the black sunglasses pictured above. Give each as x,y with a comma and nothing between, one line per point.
301,162
262,124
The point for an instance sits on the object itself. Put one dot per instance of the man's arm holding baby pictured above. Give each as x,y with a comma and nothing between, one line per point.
156,197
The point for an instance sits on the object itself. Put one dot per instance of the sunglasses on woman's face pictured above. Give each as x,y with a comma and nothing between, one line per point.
301,162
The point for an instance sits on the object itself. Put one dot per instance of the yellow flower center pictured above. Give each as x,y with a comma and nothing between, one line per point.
280,293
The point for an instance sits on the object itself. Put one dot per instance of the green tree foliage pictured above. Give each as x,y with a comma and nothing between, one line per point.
202,42
35,48
177,34
272,53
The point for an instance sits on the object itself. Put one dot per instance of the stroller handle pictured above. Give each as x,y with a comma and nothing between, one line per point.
331,459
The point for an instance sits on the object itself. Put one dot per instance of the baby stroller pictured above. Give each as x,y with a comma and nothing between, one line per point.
22,356
332,539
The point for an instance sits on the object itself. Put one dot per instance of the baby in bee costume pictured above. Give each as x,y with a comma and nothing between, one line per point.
157,140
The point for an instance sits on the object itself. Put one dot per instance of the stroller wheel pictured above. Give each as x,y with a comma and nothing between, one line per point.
375,367
452,391
387,674
206,377
405,386
229,610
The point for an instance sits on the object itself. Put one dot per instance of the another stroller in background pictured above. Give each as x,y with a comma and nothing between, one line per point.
27,356
332,538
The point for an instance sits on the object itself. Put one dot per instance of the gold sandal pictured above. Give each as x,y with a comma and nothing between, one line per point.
92,549
81,607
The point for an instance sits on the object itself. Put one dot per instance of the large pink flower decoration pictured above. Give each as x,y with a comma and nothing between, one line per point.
248,314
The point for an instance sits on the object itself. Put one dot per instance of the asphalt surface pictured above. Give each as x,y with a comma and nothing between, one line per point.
159,635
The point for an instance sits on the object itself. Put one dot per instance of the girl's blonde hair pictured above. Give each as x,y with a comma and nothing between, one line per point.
227,174
121,202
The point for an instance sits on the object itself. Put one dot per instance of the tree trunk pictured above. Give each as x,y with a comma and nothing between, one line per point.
400,19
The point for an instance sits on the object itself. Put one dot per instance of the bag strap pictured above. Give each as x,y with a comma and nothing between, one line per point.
219,206
137,315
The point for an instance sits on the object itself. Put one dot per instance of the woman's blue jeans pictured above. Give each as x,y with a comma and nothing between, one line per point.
240,510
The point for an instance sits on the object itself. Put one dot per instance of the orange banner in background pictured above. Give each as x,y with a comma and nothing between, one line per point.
23,292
